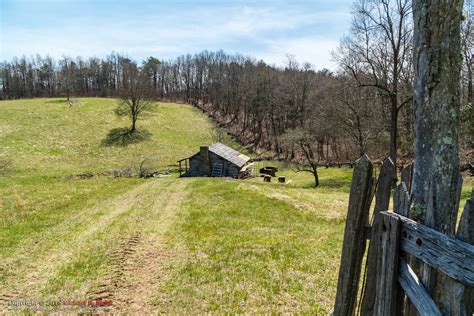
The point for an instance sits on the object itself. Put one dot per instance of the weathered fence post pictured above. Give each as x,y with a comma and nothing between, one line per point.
354,238
382,200
401,204
387,275
401,200
462,295
407,176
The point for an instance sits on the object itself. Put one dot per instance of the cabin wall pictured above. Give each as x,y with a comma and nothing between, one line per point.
196,169
227,165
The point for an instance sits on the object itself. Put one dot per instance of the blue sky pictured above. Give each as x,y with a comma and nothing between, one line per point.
267,30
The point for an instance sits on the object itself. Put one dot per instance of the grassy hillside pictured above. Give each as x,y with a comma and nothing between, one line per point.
163,244
47,137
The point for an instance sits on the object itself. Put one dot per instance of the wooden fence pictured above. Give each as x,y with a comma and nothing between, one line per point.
397,245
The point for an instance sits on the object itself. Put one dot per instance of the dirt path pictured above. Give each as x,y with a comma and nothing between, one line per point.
139,260
139,264
37,272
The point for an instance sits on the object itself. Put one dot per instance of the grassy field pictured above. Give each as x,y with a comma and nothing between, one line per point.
178,245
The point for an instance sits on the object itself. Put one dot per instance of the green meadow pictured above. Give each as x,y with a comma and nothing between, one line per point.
174,245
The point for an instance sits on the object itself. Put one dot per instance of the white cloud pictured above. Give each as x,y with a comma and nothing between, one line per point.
313,50
266,33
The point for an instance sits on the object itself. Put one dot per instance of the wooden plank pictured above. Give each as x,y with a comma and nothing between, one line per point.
463,296
407,174
401,200
384,186
401,204
387,275
449,291
438,283
354,242
465,231
382,200
416,292
449,255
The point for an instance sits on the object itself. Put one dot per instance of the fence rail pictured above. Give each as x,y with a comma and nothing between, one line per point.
449,255
391,286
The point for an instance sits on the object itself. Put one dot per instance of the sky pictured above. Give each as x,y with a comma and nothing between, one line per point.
268,30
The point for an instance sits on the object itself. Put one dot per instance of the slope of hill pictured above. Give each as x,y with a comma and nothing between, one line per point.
162,244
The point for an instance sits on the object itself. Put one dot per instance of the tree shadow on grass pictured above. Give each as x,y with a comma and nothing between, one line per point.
60,101
122,137
342,184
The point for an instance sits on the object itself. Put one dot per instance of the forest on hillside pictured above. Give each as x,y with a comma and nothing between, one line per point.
290,112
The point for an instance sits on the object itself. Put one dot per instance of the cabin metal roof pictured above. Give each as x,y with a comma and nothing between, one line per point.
229,154
226,153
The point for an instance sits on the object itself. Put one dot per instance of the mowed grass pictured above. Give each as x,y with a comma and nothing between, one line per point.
45,136
45,214
202,245
47,141
252,248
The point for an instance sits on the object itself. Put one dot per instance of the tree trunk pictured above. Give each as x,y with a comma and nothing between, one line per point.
162,88
437,62
133,128
470,94
316,176
393,129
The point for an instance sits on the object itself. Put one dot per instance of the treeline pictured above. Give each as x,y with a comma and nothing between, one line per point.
260,104
294,111
46,77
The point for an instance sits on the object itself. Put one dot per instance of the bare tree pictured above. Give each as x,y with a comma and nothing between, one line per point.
135,95
378,54
304,141
66,71
358,112
467,73
467,46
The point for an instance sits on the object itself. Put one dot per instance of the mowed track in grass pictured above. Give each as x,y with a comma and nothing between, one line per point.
178,245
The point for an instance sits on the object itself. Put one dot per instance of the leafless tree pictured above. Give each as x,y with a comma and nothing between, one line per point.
135,95
304,141
467,47
67,66
378,54
358,112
